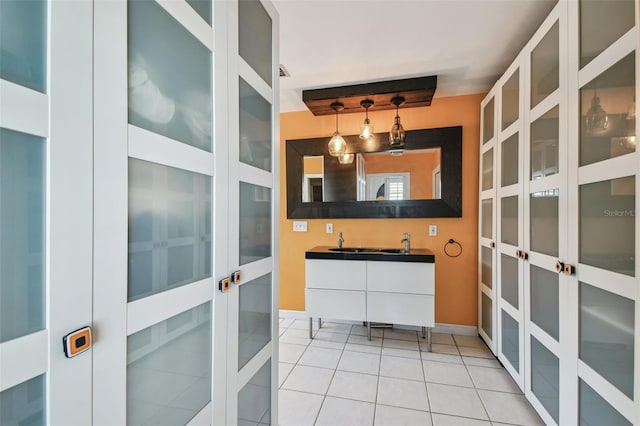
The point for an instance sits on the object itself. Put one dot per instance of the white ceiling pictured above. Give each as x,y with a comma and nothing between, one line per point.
468,44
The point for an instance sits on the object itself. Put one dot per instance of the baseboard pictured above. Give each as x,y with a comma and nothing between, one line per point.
463,330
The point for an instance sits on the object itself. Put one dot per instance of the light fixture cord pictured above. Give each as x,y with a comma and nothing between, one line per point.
336,120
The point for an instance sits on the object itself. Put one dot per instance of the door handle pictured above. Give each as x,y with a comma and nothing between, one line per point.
235,277
559,267
76,342
569,269
224,284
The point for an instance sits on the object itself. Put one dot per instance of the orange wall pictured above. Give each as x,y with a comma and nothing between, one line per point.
456,278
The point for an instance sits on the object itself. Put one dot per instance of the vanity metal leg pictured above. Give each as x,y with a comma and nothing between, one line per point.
310,327
369,330
424,332
429,339
319,323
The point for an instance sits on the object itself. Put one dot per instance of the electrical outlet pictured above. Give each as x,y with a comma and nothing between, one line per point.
329,228
299,226
433,230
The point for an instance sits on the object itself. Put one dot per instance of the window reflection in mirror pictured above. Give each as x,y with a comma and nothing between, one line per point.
390,175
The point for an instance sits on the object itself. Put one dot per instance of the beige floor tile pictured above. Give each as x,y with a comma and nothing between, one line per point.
336,327
403,393
469,341
402,368
298,408
455,401
509,408
396,416
358,386
444,420
492,379
331,335
363,348
295,336
440,349
481,362
400,344
447,373
290,353
317,343
391,333
320,357
362,340
283,371
345,412
308,379
433,356
359,362
358,330
477,352
442,339
403,353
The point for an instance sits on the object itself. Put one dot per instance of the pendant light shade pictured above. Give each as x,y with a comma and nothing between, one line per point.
337,145
396,135
346,158
597,119
366,129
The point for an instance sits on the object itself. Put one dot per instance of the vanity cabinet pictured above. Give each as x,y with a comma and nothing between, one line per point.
336,289
389,288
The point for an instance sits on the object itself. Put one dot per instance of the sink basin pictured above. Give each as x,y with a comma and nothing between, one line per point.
354,249
392,251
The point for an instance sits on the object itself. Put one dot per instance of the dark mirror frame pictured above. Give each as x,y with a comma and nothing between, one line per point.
448,139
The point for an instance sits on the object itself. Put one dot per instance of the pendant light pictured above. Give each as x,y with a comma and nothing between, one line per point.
366,130
396,135
346,158
596,119
337,145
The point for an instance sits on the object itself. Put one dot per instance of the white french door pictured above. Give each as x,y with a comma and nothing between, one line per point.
253,158
154,207
511,238
45,215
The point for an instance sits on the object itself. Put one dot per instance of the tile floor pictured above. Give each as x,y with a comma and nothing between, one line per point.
341,378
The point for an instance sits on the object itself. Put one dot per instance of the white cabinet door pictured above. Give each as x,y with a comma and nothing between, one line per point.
401,277
45,210
336,274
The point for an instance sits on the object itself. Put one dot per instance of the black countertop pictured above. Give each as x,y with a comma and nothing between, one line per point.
370,253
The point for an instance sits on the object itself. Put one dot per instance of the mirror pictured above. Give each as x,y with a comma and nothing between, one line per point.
423,179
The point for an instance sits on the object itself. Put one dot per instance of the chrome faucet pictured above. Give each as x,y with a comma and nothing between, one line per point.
407,242
340,240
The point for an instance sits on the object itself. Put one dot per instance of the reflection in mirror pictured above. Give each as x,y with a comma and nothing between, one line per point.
390,175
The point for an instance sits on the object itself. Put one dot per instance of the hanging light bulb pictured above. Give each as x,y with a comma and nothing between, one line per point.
346,158
596,119
337,145
366,129
396,135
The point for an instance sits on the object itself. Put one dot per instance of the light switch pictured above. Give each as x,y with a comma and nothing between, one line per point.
433,230
329,228
299,226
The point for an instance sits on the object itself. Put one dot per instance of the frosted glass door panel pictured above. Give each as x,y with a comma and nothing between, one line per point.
254,399
169,77
169,228
254,38
509,220
487,312
511,100
22,227
487,268
509,279
255,222
608,225
510,165
169,369
487,170
608,113
202,8
487,218
607,335
255,128
24,404
544,145
545,377
511,340
595,411
543,210
601,23
545,70
23,43
545,300
254,318
487,124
